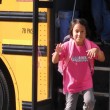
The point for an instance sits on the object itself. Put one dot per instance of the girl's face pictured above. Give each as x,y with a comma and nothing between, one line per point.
79,34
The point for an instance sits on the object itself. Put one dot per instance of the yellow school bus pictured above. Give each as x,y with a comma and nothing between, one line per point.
27,77
16,54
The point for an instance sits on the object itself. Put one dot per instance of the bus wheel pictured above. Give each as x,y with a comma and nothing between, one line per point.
4,93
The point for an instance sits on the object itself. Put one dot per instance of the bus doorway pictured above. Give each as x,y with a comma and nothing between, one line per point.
102,70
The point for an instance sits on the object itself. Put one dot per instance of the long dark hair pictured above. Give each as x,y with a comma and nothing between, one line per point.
82,22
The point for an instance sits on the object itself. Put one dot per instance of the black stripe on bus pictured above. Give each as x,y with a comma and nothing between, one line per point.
42,105
46,4
23,49
22,16
0,1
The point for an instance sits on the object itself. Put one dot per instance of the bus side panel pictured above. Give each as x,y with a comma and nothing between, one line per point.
16,53
16,5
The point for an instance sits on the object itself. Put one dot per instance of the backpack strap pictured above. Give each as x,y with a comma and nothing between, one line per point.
71,47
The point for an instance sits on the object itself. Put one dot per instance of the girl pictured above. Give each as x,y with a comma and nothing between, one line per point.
77,76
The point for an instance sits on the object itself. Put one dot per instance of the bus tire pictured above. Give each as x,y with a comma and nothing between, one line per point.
4,93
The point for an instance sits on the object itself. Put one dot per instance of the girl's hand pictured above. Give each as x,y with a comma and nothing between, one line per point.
58,48
92,53
55,55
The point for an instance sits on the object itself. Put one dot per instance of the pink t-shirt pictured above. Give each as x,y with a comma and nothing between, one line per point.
77,75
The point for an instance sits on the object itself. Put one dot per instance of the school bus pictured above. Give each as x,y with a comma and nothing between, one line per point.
27,37
16,54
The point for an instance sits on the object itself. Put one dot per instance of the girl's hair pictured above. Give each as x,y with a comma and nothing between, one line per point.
79,21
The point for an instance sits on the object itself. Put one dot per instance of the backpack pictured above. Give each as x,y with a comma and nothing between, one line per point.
63,63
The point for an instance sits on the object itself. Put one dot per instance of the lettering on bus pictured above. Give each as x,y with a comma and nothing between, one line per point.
27,31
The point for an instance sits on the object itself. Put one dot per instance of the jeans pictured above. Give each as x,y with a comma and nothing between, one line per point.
89,100
65,18
101,16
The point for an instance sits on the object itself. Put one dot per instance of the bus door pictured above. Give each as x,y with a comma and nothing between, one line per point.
45,41
101,77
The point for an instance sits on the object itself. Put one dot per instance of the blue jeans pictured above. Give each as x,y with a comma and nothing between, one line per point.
101,18
65,18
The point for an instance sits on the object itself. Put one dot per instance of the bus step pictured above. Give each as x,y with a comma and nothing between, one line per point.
102,68
101,94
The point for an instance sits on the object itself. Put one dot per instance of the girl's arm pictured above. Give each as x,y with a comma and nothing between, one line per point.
55,55
101,56
92,53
